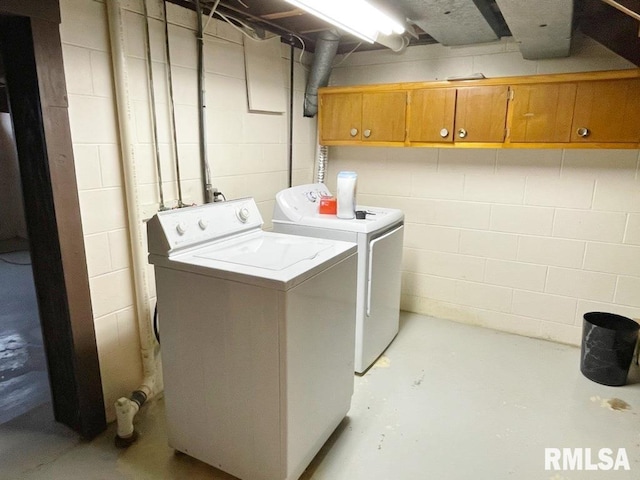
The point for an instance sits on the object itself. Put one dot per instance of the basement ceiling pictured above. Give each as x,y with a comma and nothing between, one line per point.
542,28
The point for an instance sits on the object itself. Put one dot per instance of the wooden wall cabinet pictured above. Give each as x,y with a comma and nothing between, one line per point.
481,114
466,114
542,113
432,115
607,111
579,110
363,117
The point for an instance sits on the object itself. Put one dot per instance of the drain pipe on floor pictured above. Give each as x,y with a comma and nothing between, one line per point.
126,408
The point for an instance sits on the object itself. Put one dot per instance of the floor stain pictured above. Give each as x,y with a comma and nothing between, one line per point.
418,382
612,403
13,352
383,362
381,440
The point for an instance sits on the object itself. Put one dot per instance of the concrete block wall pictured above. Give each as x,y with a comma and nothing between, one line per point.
247,151
524,241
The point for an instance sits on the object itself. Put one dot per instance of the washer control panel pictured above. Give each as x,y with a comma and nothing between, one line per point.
178,229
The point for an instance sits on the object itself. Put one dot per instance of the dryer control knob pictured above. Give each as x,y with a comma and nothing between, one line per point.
181,228
243,214
203,224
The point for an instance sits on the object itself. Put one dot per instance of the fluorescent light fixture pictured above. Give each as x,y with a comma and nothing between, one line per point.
357,17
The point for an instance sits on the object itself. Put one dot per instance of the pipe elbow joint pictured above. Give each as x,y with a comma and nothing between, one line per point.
126,410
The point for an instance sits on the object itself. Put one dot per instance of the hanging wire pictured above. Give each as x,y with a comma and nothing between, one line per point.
172,104
244,32
213,9
152,101
347,55
304,47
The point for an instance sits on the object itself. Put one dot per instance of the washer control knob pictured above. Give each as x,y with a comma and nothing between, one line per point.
243,214
181,228
203,224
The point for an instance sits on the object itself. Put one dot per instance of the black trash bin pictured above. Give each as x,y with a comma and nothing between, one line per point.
608,342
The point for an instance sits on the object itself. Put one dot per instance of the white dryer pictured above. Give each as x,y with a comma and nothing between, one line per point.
257,334
379,237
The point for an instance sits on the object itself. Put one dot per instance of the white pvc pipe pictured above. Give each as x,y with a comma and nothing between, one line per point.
125,412
126,124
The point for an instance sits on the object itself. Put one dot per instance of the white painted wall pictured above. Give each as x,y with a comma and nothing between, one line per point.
247,151
12,221
524,241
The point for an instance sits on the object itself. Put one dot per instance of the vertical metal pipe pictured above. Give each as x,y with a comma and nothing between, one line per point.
207,191
171,103
291,65
152,101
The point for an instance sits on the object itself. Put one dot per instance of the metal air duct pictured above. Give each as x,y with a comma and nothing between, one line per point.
326,50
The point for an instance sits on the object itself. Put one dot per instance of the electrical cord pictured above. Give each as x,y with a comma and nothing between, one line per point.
302,50
347,55
156,332
228,18
11,262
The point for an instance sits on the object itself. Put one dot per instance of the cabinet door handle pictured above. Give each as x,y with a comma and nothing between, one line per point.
367,133
462,133
353,132
583,132
444,133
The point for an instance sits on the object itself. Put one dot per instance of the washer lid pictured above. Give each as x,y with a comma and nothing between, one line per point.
266,259
268,252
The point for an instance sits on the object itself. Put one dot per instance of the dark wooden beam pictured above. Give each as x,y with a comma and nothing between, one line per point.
32,56
42,9
611,27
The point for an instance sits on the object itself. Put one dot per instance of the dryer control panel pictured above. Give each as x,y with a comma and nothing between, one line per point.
176,230
299,201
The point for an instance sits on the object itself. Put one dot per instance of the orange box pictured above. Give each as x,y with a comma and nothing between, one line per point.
328,205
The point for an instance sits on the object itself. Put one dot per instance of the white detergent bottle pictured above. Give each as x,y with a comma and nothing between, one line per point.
346,195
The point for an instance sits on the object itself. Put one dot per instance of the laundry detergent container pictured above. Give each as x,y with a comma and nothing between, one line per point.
608,342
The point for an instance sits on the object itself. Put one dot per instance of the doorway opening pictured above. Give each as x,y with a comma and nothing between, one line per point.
24,384
31,53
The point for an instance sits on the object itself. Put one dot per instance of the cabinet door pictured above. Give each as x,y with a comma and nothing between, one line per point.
340,116
383,116
431,115
481,113
607,111
542,112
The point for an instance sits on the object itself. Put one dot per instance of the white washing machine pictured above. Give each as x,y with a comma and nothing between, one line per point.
257,334
379,237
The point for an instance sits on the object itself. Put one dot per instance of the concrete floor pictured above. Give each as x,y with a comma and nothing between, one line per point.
23,373
446,401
